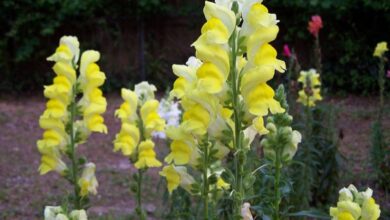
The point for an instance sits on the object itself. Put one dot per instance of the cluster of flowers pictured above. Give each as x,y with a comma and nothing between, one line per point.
354,205
140,118
311,90
58,213
204,85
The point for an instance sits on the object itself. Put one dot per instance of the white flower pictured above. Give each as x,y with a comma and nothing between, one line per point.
193,62
145,91
246,212
51,212
79,215
169,111
345,195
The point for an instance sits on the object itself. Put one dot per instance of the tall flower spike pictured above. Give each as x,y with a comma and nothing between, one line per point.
311,88
140,119
68,121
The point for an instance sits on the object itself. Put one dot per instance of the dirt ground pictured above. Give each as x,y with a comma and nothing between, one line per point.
24,193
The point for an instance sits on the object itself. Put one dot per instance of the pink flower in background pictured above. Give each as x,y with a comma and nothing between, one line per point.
286,51
388,74
315,25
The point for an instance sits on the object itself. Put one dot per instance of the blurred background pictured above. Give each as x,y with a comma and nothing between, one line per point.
140,39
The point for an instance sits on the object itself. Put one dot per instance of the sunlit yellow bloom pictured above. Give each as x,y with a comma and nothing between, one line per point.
210,78
180,152
127,139
88,182
51,159
345,210
261,99
196,120
177,175
150,117
147,155
186,77
370,210
310,92
127,111
380,49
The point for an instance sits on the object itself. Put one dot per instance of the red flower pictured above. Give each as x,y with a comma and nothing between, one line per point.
286,51
315,25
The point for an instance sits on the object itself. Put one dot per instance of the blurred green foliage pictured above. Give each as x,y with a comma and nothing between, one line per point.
352,28
31,28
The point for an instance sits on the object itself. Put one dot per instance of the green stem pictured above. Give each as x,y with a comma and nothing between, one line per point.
278,166
307,156
205,182
140,210
381,83
77,198
318,55
238,198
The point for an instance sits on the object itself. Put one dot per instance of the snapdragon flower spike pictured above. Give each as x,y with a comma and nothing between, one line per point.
56,116
92,104
139,116
311,88
259,28
203,84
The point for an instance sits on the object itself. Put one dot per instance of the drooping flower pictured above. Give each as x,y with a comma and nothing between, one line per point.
88,182
380,49
310,92
315,24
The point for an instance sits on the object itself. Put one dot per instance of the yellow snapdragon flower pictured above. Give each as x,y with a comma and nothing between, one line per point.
147,155
177,175
380,49
152,121
311,90
88,182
